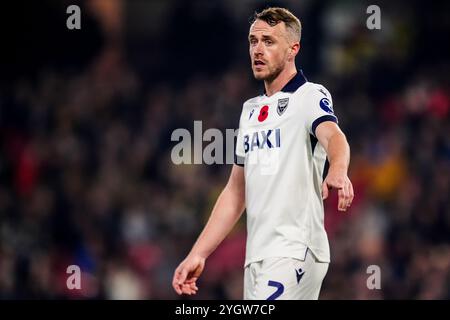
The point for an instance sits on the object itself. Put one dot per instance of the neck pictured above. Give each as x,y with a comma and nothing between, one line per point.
275,85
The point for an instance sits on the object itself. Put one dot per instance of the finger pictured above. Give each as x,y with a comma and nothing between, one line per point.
179,290
339,200
352,193
193,285
176,287
347,196
324,190
341,203
188,290
191,280
175,284
185,289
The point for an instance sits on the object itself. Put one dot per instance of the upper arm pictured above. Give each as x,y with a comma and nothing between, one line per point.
325,131
236,181
235,188
318,108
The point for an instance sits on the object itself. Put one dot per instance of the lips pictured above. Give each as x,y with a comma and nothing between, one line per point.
258,65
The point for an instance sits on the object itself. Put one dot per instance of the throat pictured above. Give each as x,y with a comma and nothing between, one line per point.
274,85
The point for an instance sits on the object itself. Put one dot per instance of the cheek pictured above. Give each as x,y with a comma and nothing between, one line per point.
276,57
282,56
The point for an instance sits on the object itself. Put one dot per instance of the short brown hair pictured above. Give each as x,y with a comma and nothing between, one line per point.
275,15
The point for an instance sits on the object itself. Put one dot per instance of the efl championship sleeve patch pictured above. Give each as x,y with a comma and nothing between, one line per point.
326,105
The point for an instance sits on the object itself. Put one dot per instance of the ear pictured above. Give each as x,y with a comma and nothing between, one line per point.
294,49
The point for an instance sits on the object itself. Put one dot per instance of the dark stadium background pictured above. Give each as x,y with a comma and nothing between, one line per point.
86,118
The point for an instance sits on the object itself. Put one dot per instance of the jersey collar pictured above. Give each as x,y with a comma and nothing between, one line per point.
296,82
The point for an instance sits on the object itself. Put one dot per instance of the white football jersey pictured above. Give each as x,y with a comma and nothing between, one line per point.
284,169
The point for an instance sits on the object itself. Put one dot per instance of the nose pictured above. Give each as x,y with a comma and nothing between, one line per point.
257,51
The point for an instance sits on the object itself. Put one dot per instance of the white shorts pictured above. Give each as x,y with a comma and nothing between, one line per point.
284,278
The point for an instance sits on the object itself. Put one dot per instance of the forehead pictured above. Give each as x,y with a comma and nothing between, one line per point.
262,28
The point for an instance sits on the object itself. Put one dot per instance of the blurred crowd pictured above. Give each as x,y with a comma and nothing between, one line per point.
86,176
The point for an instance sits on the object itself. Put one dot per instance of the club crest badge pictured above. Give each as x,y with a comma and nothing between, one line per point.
282,105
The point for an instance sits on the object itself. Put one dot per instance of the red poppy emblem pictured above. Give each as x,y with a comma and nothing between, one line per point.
263,113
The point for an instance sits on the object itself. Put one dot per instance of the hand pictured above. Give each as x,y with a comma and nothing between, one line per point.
338,179
187,273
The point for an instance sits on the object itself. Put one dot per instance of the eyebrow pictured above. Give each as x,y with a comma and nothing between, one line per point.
264,37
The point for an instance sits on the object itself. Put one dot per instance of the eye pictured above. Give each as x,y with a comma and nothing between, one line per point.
268,42
253,42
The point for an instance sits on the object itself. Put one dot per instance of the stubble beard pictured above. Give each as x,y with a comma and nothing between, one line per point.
272,75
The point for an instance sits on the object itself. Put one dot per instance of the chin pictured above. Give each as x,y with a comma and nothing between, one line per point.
259,75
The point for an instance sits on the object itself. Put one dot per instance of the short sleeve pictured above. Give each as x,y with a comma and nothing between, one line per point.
319,108
239,154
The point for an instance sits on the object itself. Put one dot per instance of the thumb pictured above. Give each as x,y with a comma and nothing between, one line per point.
324,190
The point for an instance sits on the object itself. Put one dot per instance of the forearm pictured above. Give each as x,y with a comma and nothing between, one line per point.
338,151
225,214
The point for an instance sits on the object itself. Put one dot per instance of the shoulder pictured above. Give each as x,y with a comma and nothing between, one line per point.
248,108
313,91
254,100
252,103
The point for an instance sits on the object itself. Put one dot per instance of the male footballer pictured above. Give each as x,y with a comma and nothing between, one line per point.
290,151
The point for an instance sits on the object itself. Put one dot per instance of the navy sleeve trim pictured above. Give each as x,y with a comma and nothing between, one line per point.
320,120
239,160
